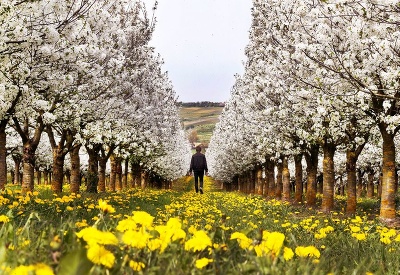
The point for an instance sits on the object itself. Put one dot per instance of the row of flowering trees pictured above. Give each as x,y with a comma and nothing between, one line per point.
321,79
81,74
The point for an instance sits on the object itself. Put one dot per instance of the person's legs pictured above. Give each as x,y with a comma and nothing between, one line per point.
196,181
201,176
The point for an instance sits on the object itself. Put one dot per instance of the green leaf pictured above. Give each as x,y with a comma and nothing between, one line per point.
75,263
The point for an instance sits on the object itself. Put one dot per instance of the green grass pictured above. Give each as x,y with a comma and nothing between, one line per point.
42,228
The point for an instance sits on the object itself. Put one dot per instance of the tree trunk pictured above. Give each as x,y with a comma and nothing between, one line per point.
328,177
351,160
259,180
93,169
388,204
279,183
38,177
370,186
102,174
359,187
113,172
136,171
118,174
17,172
75,169
285,180
28,160
298,196
58,170
312,169
3,154
125,175
143,179
270,175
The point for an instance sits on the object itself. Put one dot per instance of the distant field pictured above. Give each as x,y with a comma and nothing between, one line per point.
202,119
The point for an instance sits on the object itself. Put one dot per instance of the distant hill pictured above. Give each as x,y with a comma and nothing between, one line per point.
201,120
201,104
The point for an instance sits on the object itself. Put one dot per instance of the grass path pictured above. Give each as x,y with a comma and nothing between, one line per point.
186,184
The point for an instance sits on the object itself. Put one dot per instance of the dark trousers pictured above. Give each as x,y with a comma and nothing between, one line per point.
198,175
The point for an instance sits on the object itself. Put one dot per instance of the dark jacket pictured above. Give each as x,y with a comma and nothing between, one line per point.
198,163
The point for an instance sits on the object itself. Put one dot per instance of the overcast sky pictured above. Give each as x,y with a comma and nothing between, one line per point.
202,43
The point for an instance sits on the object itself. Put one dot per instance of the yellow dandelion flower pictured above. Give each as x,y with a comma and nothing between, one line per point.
320,235
97,254
287,253
23,270
127,224
274,241
143,218
93,235
397,239
198,242
225,228
4,219
83,223
137,239
286,224
359,236
154,244
315,261
105,207
203,262
136,266
355,229
43,269
55,243
307,251
385,240
242,239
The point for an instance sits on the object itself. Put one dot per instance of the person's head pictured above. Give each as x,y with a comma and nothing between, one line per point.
198,148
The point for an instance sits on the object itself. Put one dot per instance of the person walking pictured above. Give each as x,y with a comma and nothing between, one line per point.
198,165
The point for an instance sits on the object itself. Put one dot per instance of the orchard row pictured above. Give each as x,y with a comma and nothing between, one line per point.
321,81
79,85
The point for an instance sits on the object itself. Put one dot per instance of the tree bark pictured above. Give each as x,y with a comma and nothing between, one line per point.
75,169
118,174
351,160
38,176
102,174
298,196
270,175
136,171
125,175
279,182
28,166
113,172
58,170
3,155
29,147
328,177
93,168
259,180
103,158
285,179
17,172
143,177
312,169
359,188
388,204
370,186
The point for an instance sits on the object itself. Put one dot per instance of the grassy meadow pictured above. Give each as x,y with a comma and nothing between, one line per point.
202,119
180,232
